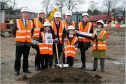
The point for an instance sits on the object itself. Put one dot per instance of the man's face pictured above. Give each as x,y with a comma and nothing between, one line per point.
68,16
72,31
85,18
25,15
57,18
42,15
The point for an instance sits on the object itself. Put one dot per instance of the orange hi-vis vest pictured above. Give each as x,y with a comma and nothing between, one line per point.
101,45
23,34
86,29
38,26
60,29
45,48
70,49
67,25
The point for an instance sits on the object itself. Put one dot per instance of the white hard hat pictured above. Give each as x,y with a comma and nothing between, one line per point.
41,11
85,14
100,21
68,13
25,9
57,14
71,28
47,24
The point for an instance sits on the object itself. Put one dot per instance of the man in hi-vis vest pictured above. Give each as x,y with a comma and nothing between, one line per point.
83,42
68,20
38,24
22,32
57,26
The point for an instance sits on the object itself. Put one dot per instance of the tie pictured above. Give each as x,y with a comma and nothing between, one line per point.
57,23
25,23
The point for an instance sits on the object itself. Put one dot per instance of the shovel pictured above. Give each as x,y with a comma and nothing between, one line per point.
58,65
65,65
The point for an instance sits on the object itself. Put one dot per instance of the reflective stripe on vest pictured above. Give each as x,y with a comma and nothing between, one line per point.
60,29
37,25
86,29
101,44
23,34
67,25
44,47
70,49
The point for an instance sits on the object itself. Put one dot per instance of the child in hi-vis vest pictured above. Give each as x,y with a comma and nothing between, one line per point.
70,45
99,45
46,45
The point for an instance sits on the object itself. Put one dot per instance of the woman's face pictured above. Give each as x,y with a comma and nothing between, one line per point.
99,25
85,18
42,15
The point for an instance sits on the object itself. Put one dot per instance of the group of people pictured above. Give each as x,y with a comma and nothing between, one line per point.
57,39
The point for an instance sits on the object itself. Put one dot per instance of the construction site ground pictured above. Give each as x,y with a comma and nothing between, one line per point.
114,64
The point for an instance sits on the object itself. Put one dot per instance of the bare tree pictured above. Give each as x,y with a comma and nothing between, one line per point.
110,4
8,3
93,5
4,4
71,4
13,3
123,5
45,4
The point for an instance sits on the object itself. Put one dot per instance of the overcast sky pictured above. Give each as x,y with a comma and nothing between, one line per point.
35,5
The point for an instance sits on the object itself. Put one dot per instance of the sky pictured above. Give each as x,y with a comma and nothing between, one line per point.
36,6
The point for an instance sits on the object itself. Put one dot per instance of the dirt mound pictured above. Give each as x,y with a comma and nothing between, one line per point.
66,75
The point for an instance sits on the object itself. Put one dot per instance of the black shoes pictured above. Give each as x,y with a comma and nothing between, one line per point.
17,73
82,68
94,70
102,70
37,68
28,72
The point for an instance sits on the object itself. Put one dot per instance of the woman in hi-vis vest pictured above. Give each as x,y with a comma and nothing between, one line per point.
46,45
99,45
38,24
83,42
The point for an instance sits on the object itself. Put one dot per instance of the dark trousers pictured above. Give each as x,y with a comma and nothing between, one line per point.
59,46
102,61
70,61
83,57
83,47
64,60
46,61
37,57
19,51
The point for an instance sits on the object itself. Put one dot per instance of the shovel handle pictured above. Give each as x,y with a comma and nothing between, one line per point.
57,53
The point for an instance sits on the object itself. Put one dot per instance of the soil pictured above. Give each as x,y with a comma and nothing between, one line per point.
64,75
